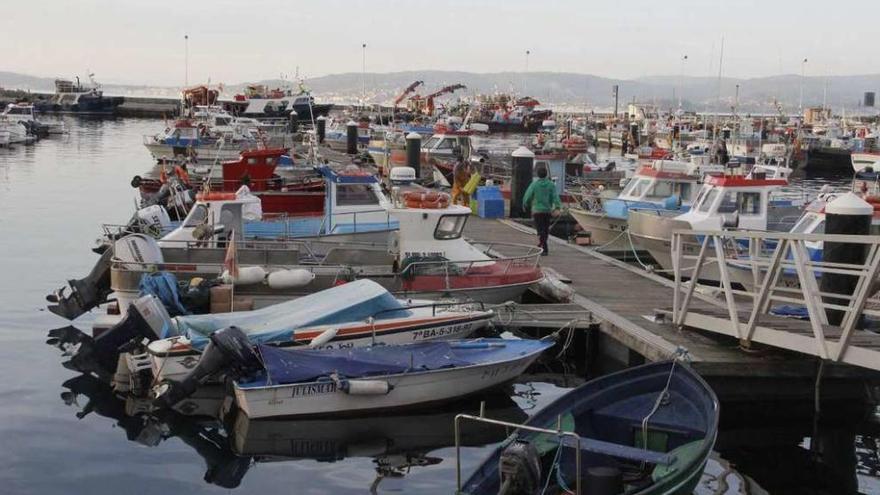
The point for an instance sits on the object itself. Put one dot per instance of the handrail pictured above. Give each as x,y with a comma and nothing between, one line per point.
533,253
784,273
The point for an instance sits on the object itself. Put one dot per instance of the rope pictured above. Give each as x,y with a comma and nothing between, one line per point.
663,395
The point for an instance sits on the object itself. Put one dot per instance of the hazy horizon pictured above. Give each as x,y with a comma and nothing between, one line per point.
234,42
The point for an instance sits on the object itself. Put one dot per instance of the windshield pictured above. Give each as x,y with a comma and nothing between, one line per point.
802,226
708,200
450,227
355,195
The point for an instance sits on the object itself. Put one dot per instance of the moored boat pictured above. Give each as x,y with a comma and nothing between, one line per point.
306,383
644,430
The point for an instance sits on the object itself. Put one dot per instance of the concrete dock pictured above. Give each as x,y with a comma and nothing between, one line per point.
623,300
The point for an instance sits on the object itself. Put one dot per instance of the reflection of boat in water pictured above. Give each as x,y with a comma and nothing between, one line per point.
393,443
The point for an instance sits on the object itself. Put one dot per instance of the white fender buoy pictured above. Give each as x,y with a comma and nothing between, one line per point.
247,275
324,337
286,279
368,387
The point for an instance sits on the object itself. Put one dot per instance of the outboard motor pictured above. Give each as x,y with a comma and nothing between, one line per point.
519,469
104,349
86,293
229,352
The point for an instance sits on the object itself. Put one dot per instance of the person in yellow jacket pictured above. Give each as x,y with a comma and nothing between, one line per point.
461,174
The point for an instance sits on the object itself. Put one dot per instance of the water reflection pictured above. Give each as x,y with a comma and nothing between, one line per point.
394,444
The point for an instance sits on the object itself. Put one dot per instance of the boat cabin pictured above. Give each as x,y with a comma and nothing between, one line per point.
19,112
662,180
448,145
354,200
732,202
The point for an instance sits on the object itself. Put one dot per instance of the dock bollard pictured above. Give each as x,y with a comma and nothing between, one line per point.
321,124
848,214
293,120
351,137
522,164
414,152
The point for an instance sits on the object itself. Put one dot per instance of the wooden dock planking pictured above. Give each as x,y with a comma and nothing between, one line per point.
621,298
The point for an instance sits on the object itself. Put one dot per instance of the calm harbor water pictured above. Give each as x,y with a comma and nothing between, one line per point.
53,197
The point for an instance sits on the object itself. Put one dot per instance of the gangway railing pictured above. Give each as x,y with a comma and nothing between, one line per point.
754,270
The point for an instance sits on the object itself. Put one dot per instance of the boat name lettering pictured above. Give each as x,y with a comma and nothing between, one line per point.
313,389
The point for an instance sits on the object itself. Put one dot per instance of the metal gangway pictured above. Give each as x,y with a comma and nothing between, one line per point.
757,273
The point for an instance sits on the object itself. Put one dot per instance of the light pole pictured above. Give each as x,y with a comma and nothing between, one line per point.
525,77
186,60
803,76
681,80
363,74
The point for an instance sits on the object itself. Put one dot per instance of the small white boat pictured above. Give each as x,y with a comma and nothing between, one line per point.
862,161
358,313
25,114
326,382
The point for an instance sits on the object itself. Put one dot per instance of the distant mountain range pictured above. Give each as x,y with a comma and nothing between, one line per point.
557,88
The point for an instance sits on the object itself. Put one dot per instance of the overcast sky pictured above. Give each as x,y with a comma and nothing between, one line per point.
235,41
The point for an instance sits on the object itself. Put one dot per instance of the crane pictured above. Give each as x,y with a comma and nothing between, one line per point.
409,89
429,106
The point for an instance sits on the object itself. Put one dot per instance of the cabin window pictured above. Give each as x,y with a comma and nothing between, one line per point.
198,216
661,189
431,142
446,144
728,203
750,203
684,190
450,227
636,188
355,195
708,200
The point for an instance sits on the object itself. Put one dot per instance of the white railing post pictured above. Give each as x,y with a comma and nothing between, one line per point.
812,298
857,304
725,285
694,278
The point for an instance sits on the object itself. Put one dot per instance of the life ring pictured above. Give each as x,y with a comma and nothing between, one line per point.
426,200
215,196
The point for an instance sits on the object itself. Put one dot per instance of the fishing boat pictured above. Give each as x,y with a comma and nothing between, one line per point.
358,313
25,114
199,141
305,383
80,99
445,148
426,258
644,430
724,202
664,185
16,132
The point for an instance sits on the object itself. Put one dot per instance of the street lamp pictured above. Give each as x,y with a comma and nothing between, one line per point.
363,74
525,77
186,60
681,80
803,76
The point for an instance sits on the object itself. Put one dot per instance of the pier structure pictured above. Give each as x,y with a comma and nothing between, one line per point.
627,319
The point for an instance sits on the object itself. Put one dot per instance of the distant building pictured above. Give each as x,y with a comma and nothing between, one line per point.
869,99
814,115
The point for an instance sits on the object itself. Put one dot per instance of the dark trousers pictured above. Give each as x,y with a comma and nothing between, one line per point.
542,225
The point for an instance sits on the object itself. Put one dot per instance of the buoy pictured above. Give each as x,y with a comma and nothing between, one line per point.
286,279
324,337
367,387
247,275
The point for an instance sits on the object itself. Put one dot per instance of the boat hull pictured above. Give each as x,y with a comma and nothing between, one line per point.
607,234
177,366
833,161
409,390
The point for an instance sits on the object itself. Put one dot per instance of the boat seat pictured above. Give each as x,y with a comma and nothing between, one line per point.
621,451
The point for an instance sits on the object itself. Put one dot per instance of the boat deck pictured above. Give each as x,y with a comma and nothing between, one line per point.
625,299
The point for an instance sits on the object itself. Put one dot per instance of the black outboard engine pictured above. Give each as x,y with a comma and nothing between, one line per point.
86,293
519,469
229,353
104,350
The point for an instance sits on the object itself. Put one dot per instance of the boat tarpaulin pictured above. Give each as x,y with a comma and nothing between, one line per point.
163,285
354,301
286,366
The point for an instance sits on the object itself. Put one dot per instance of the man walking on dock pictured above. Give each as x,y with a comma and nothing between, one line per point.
543,200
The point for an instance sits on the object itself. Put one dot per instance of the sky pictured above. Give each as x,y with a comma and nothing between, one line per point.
142,42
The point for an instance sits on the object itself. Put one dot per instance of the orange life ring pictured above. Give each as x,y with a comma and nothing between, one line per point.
428,200
215,196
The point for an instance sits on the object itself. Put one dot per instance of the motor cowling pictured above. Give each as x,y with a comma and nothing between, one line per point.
519,469
229,353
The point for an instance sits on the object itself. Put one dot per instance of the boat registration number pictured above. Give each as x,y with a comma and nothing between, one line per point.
433,333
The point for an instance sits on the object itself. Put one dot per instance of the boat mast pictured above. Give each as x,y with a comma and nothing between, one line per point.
720,63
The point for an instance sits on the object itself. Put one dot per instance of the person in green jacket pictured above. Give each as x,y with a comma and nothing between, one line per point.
542,199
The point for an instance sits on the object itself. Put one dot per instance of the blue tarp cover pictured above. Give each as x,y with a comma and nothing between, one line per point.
163,285
354,301
286,366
